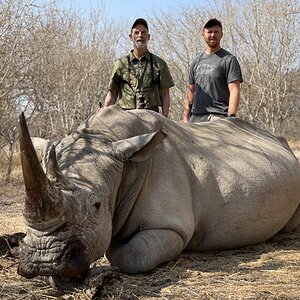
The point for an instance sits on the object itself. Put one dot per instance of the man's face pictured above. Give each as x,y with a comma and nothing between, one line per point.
212,36
139,36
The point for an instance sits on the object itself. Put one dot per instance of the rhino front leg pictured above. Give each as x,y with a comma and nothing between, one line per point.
145,250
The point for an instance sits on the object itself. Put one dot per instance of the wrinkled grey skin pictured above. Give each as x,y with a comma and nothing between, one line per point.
141,188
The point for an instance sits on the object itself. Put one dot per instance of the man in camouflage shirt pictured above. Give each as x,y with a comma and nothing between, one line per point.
140,79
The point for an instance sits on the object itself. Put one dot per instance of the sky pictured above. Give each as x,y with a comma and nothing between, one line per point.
128,9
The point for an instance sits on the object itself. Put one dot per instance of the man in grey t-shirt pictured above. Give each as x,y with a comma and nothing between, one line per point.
214,80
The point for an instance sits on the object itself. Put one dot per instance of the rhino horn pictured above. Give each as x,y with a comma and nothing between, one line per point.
41,196
53,171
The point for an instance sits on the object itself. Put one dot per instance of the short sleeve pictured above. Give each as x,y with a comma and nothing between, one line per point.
114,81
234,71
166,80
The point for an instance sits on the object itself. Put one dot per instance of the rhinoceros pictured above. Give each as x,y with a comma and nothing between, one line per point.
141,188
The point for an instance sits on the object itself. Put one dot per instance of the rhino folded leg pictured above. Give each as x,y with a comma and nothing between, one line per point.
146,250
293,223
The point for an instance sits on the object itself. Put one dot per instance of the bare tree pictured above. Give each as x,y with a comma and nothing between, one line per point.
54,65
17,19
73,76
258,32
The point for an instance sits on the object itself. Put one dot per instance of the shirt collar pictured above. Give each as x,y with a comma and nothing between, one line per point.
146,55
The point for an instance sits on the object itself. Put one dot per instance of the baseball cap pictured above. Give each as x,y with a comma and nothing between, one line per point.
212,22
140,21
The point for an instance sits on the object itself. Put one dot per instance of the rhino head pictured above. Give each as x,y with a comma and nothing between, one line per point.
69,224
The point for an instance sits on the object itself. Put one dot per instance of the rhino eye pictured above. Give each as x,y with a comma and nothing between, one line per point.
97,205
94,201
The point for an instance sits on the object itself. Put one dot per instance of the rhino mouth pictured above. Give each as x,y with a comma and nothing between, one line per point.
69,263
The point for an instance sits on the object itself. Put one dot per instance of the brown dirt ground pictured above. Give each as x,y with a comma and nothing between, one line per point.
270,270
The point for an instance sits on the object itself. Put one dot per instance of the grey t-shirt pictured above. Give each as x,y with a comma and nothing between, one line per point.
211,74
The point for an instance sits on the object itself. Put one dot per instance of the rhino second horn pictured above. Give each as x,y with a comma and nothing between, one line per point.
53,171
41,196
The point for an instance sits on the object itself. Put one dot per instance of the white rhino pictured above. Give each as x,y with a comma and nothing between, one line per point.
141,188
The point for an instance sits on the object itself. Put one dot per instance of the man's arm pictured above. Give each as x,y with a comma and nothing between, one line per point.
110,98
187,102
234,97
165,93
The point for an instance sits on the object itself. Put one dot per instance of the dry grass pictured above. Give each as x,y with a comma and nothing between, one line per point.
267,271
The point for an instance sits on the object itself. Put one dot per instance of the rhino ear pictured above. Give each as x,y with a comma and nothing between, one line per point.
141,147
53,171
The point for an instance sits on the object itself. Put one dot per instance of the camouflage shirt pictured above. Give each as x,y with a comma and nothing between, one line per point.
133,77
